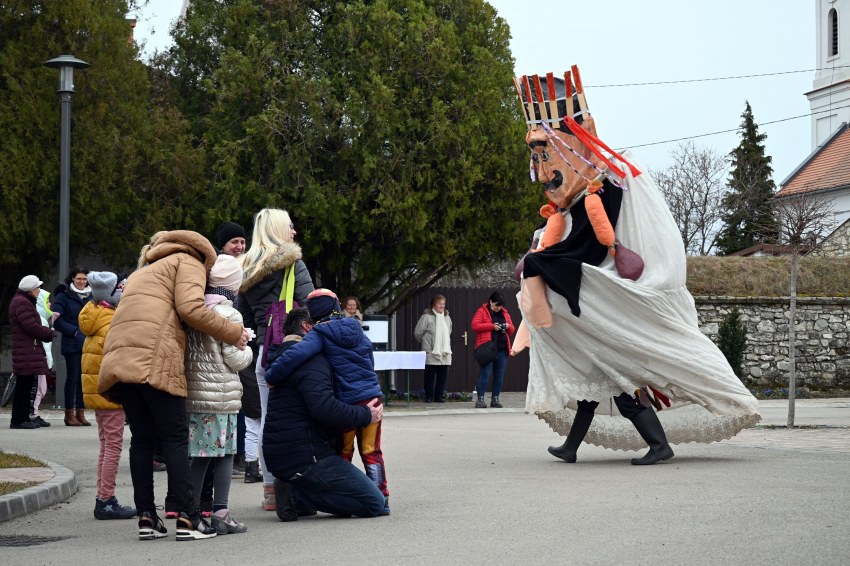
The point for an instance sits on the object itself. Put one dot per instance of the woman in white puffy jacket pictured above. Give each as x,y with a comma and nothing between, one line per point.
214,394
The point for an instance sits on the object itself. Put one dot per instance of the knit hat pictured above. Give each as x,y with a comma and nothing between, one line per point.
29,283
227,231
104,287
323,304
225,273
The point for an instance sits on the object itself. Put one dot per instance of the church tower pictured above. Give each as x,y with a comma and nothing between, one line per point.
831,89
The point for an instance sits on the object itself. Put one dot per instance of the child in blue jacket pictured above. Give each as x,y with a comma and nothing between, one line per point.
349,353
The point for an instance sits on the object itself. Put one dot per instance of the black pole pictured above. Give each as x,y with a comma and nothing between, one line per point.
65,64
64,226
65,186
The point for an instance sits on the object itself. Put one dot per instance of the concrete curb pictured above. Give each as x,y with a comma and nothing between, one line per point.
60,488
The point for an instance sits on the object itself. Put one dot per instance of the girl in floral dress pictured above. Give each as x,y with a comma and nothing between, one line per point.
214,394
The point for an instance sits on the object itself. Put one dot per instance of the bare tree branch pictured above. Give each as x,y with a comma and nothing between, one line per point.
693,187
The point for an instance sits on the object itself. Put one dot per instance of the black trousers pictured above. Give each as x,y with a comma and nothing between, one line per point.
628,406
442,372
21,400
156,414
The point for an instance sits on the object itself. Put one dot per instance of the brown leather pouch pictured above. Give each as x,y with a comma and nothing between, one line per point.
629,264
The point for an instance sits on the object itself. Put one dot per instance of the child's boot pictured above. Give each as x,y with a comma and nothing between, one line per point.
111,509
252,472
224,524
268,498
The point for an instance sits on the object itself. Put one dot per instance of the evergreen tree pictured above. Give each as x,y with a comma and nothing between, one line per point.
732,340
132,161
389,129
747,218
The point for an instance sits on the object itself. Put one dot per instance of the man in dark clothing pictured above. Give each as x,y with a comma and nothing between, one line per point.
300,430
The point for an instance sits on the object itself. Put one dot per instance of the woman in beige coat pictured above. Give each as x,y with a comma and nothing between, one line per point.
433,332
143,368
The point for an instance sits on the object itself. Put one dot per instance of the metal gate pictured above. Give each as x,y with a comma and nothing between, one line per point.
461,304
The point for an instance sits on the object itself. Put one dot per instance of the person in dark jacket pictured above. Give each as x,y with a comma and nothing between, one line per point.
68,305
492,322
349,353
28,357
300,431
272,254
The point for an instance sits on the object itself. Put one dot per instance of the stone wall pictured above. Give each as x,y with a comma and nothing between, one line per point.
823,348
838,243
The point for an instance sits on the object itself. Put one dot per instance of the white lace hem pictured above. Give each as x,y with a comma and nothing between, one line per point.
681,425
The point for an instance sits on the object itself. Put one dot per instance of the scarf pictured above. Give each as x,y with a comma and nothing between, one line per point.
215,295
83,293
442,344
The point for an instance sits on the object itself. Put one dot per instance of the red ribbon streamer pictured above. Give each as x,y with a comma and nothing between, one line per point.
584,136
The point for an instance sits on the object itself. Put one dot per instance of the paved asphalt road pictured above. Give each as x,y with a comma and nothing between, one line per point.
481,489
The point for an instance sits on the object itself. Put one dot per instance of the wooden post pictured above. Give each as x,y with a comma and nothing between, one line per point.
531,105
553,98
519,95
538,89
582,102
568,90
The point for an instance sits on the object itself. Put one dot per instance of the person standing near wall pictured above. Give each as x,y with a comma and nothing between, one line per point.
433,332
28,357
273,250
68,306
492,322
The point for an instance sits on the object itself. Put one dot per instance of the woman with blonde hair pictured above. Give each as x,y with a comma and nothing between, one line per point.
273,252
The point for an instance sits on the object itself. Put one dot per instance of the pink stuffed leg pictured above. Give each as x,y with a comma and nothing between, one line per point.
535,305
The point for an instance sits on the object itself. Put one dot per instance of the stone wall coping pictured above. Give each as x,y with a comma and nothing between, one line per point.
60,488
724,300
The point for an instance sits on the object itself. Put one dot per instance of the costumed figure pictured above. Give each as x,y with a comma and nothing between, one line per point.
607,316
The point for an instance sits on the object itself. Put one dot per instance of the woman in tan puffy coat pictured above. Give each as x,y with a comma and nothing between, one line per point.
215,394
143,368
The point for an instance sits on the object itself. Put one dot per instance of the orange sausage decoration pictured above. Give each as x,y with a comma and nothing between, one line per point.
598,217
555,227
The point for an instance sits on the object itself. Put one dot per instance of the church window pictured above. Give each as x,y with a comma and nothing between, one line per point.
833,33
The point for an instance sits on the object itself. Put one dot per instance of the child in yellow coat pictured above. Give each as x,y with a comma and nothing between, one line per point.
95,319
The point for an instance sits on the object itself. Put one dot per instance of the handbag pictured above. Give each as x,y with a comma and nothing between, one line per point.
629,264
486,353
276,313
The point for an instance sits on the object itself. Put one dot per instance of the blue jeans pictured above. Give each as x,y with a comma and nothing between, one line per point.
498,368
335,486
74,381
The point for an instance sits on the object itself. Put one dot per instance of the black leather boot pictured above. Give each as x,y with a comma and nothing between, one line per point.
283,504
567,451
649,427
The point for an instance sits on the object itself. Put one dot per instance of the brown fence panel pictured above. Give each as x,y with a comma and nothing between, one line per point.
461,303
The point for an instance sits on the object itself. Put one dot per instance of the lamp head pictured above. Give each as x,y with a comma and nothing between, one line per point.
66,65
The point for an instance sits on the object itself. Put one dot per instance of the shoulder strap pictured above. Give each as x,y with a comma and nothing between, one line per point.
287,288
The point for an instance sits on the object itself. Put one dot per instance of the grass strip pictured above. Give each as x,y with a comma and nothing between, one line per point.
8,460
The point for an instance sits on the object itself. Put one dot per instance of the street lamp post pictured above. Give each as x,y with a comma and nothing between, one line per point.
66,65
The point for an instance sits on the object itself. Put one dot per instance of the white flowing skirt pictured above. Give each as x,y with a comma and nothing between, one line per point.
636,334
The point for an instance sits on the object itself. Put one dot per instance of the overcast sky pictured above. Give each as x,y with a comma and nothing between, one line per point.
624,41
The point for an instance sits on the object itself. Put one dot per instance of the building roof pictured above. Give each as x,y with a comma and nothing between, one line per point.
828,167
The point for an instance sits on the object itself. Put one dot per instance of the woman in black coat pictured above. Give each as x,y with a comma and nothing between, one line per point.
28,357
68,305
